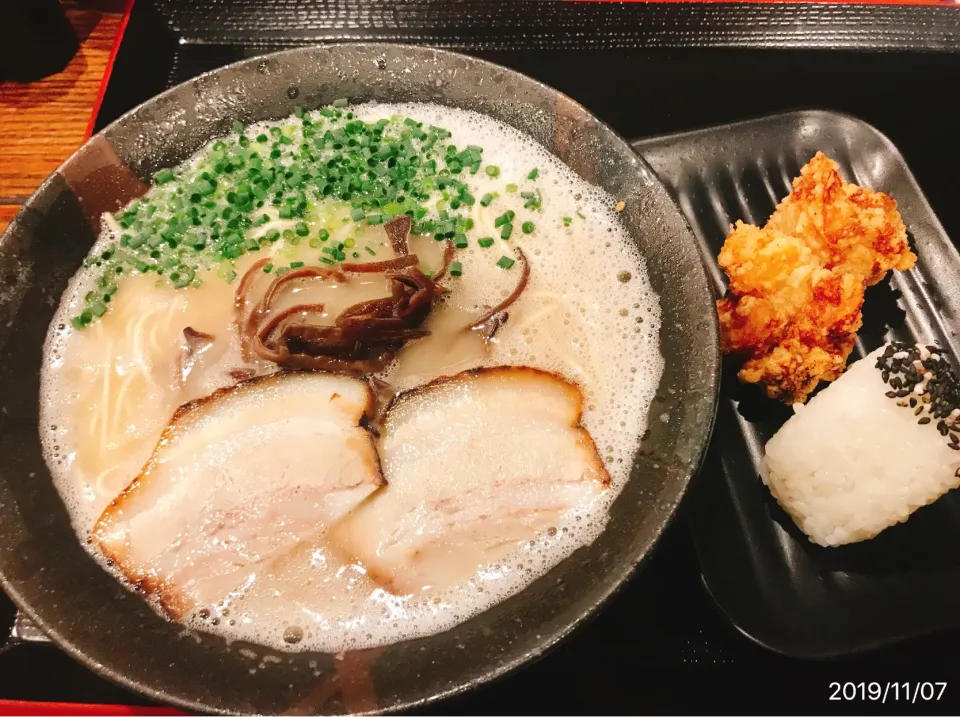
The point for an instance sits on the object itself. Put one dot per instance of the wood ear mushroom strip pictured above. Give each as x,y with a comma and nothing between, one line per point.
363,338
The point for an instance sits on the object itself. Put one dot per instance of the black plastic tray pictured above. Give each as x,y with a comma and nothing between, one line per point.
778,588
561,24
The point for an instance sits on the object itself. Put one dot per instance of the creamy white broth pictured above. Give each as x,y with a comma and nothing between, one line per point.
109,389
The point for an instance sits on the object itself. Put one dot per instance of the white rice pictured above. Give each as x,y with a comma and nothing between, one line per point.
851,462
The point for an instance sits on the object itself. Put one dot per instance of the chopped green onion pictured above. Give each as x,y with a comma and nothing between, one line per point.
325,260
486,242
378,170
511,188
533,199
527,227
580,215
567,220
341,103
506,231
456,268
533,174
268,268
296,264
505,262
181,278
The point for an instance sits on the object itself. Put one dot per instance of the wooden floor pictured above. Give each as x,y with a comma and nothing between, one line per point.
43,123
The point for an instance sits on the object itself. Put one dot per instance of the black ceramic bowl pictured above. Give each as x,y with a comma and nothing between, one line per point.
49,575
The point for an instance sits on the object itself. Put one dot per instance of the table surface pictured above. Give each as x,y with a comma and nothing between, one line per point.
43,123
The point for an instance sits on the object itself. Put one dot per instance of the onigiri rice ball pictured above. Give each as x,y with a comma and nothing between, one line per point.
867,451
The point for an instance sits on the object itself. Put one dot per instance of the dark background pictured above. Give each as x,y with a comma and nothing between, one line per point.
662,645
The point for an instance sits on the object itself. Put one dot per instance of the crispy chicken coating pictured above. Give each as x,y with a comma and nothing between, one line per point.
851,229
796,286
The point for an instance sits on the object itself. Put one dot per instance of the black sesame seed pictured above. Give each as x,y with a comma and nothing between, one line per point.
954,438
954,446
924,421
942,427
928,381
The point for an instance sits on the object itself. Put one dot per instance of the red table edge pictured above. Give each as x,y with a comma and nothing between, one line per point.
19,707
105,80
919,3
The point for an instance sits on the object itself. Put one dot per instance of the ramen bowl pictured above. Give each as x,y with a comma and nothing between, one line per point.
91,616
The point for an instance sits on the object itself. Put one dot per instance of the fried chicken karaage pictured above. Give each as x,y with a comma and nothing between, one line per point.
796,286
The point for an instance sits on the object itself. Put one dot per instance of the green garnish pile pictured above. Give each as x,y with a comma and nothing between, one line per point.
211,211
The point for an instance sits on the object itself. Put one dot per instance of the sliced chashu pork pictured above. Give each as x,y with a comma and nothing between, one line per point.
474,464
238,479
